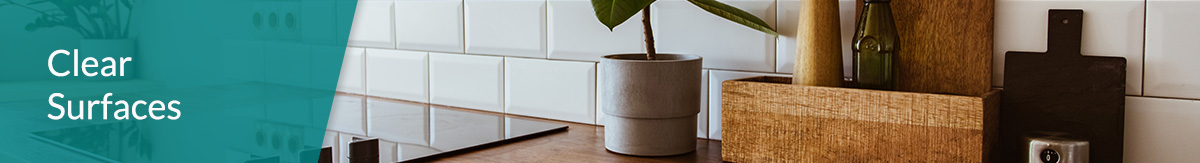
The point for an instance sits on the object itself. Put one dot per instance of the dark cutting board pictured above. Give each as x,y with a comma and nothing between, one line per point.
1061,90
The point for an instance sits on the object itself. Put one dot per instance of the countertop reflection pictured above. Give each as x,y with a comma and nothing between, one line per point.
408,130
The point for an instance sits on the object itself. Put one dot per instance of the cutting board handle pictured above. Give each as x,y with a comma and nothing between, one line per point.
1064,32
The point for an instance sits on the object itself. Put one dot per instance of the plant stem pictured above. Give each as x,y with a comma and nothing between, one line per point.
117,24
90,19
650,52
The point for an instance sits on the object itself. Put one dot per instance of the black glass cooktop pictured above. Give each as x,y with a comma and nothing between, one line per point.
397,131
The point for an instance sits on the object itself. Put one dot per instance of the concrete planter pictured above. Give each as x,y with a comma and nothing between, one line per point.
650,106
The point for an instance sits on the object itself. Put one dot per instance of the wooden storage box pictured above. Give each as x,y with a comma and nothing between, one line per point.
766,119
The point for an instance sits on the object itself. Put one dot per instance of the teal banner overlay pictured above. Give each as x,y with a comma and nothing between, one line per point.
168,80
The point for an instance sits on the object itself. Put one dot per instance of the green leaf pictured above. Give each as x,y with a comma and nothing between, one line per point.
734,14
614,12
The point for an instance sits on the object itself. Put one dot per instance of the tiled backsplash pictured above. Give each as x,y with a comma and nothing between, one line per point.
683,28
505,27
538,57
563,90
397,74
1171,69
373,25
440,27
1110,28
788,18
571,20
468,81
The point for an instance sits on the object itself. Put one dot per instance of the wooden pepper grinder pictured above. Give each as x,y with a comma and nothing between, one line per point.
818,40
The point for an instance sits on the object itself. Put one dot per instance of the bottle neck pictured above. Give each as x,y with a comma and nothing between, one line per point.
878,7
885,3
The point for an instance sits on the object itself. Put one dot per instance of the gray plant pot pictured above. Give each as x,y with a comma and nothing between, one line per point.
650,106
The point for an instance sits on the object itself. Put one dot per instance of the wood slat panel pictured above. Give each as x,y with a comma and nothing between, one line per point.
945,45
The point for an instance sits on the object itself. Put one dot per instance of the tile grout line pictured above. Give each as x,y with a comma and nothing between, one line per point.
504,70
503,85
596,93
572,60
545,29
1145,11
429,77
463,22
395,35
1166,98
364,86
775,64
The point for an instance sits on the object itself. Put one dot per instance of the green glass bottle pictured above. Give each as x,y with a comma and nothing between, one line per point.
875,45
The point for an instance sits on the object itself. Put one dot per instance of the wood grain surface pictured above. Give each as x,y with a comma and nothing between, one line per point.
767,120
945,45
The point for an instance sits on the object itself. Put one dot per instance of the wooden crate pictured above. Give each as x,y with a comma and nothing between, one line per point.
766,119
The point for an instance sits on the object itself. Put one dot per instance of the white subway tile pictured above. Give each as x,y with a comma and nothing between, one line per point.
715,78
576,34
683,28
347,115
562,90
506,27
414,151
372,26
1111,28
351,78
599,115
430,25
1171,32
398,121
330,139
454,129
1161,130
389,151
789,18
468,81
398,74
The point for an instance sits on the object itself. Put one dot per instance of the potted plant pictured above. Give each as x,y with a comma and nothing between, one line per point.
104,24
651,99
